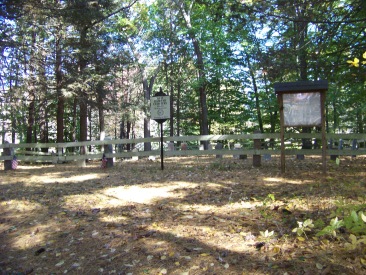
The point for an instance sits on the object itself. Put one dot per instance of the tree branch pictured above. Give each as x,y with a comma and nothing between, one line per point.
113,13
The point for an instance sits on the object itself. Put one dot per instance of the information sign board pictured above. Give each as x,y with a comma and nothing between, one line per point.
302,109
302,104
160,107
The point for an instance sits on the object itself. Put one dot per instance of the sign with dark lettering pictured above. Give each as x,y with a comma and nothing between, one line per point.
160,107
160,112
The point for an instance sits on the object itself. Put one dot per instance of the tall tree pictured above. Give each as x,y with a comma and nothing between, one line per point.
186,9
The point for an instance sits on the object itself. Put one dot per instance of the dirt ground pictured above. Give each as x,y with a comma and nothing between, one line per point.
200,215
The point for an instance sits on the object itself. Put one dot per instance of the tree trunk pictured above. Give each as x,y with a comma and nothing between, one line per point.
30,123
31,91
60,97
43,125
101,115
147,87
73,128
201,71
255,88
83,118
301,30
178,107
128,131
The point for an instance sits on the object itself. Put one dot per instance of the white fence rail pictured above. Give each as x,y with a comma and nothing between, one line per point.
343,144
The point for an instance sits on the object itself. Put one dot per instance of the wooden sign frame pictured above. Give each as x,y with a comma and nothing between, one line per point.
308,94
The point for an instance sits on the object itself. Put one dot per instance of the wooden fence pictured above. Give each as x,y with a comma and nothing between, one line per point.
338,145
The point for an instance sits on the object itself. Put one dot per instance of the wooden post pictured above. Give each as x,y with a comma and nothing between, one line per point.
184,146
219,146
324,139
302,111
8,151
332,157
108,149
283,156
354,146
257,145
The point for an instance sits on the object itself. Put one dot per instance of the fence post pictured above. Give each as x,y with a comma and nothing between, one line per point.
108,149
354,146
8,151
257,145
219,146
332,157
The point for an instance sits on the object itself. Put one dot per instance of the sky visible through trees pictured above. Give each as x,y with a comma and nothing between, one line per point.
84,70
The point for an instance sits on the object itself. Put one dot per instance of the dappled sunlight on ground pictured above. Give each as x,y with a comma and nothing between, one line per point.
51,178
199,216
281,180
34,167
143,194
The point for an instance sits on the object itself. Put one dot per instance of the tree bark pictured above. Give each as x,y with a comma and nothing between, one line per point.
60,97
100,98
83,116
31,91
147,87
255,88
201,70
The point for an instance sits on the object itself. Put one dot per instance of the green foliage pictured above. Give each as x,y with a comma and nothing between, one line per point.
354,242
264,210
356,223
303,227
319,223
268,199
332,228
95,34
267,235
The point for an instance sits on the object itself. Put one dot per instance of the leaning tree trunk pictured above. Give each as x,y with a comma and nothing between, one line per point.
201,70
257,105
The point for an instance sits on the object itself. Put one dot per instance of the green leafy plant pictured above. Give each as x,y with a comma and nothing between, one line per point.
331,229
266,234
356,222
307,225
268,199
264,210
354,242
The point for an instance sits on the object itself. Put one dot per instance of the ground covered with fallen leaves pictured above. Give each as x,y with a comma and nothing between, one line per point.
200,215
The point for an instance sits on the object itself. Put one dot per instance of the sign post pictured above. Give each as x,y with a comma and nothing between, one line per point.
302,105
160,112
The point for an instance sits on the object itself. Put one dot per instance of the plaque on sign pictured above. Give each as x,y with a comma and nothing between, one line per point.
160,107
160,112
302,109
302,104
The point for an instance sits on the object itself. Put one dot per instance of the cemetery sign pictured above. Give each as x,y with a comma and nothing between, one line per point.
160,107
160,112
302,105
302,109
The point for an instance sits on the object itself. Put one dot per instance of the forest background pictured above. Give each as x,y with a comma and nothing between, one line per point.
83,70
